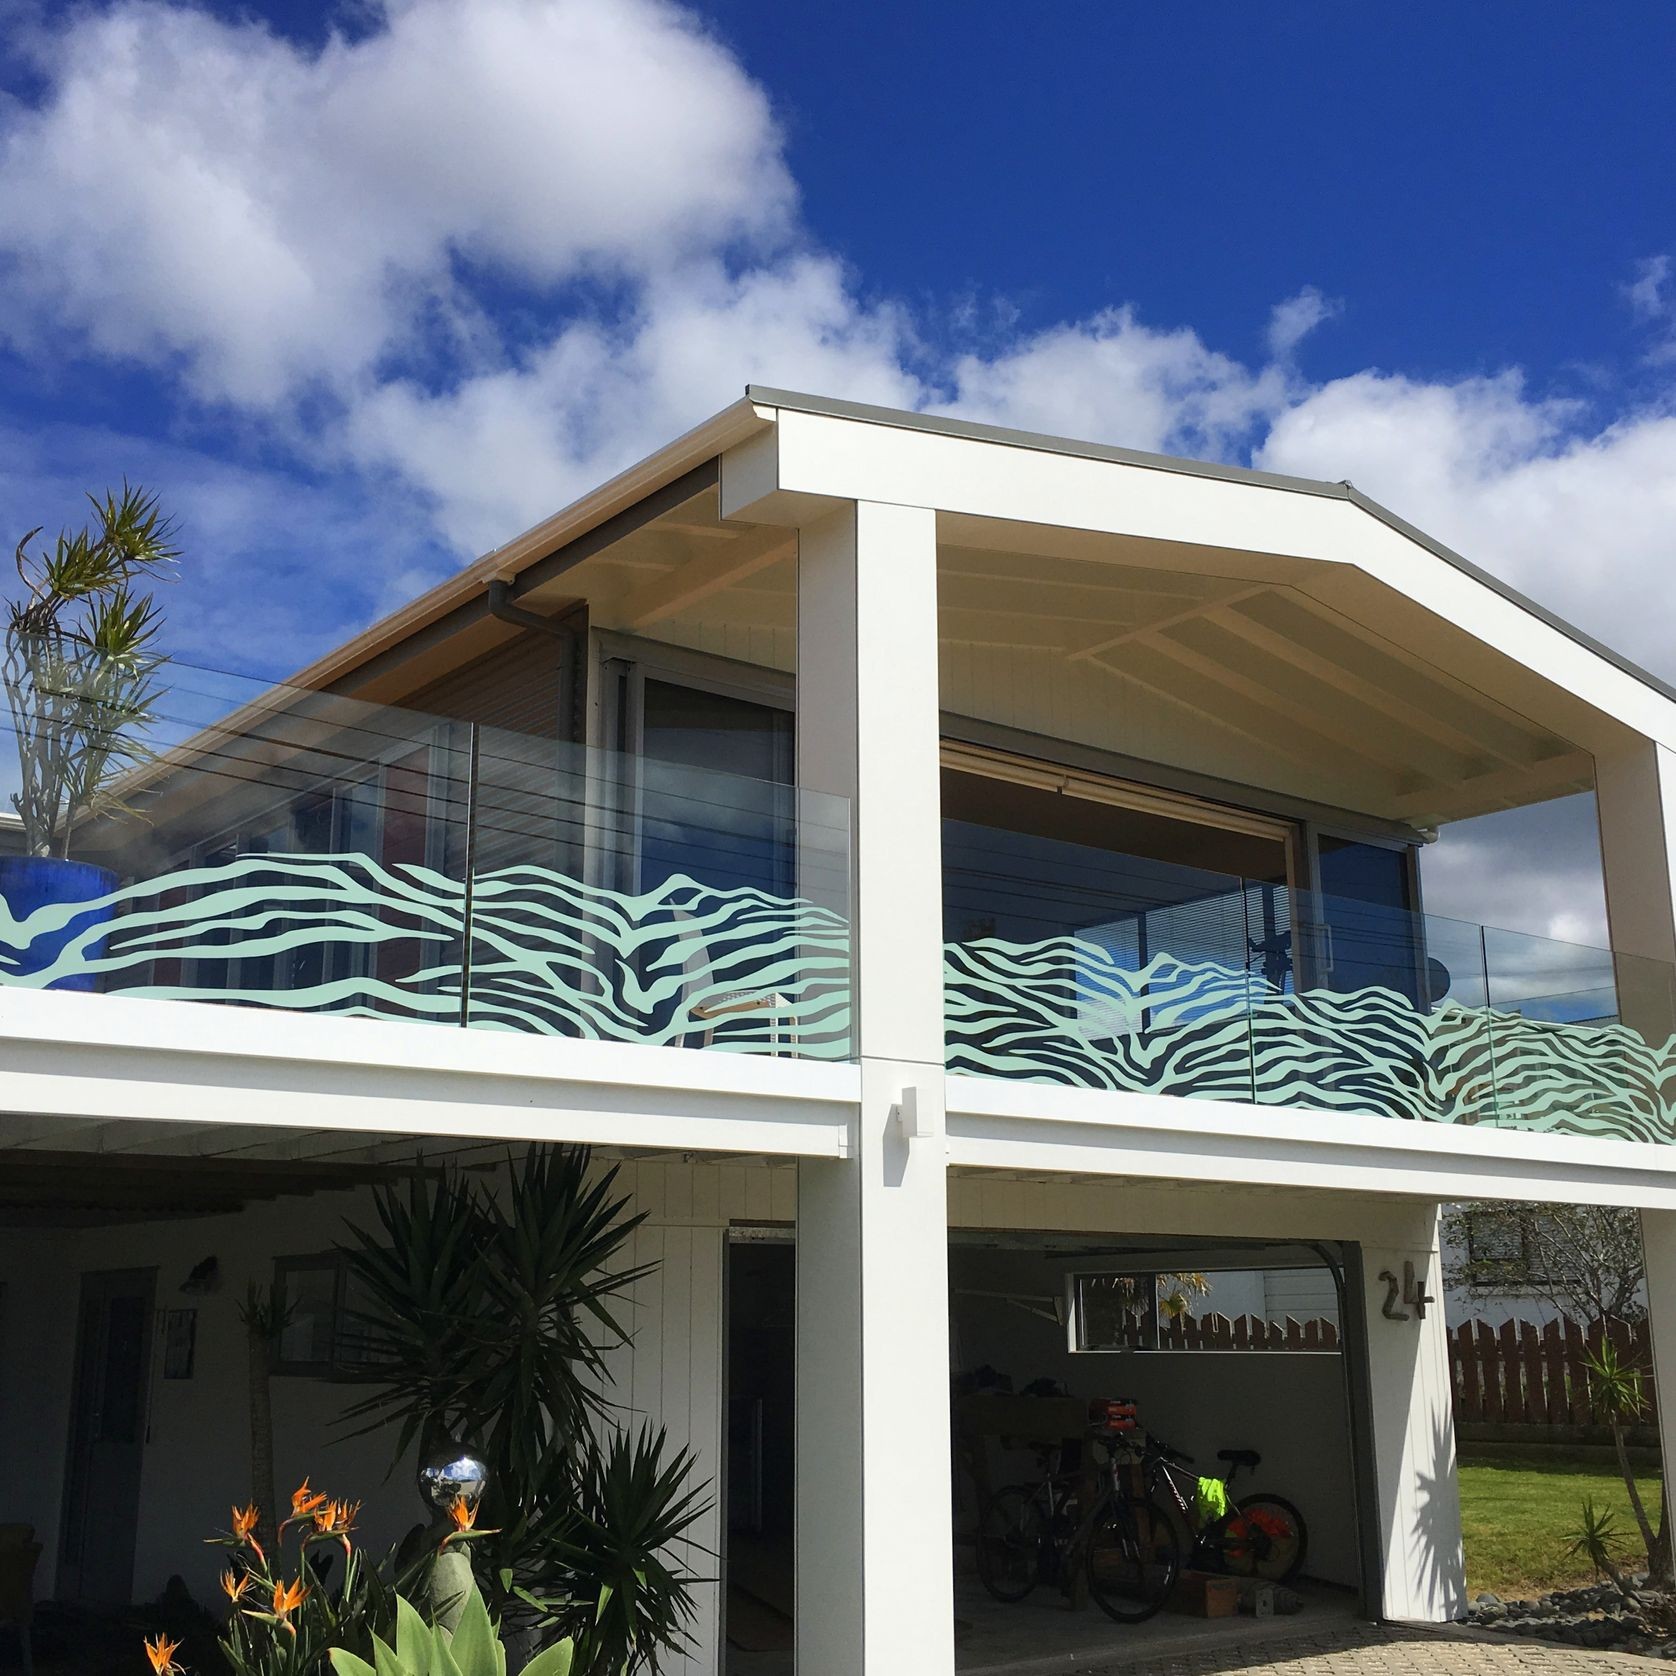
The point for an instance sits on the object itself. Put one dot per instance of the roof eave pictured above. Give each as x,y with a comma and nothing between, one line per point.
706,441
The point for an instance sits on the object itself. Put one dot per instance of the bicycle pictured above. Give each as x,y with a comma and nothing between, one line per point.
1125,1544
1260,1535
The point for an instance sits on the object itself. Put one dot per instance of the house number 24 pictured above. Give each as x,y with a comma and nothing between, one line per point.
1410,1291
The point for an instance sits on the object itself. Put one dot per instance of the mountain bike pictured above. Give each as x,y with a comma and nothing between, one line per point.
1260,1535
1127,1545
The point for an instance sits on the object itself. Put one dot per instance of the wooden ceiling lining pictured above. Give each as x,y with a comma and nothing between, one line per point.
1231,639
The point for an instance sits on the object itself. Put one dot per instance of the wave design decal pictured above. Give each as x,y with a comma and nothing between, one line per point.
1064,1010
745,971
681,964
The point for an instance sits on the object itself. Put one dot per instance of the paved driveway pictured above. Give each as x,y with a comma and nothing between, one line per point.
1385,1650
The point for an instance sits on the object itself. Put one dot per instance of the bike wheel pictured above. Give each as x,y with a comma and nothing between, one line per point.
1133,1560
1264,1536
1011,1535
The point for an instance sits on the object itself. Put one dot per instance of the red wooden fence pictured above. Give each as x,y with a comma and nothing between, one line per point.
1522,1374
1245,1332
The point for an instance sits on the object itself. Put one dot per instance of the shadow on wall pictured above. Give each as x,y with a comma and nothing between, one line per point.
1435,1547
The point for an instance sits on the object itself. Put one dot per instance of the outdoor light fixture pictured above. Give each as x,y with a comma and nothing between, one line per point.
913,1121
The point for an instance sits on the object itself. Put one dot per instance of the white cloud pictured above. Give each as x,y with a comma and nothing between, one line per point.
1652,299
1291,321
1646,292
517,243
1579,517
1114,379
198,192
505,448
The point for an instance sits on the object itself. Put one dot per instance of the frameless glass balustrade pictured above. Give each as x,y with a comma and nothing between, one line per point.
1077,966
266,846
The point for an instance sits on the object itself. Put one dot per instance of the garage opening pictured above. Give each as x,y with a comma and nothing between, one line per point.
1215,1370
1225,1362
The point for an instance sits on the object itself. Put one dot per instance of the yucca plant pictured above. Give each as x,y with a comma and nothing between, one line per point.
1618,1395
486,1317
625,1601
81,669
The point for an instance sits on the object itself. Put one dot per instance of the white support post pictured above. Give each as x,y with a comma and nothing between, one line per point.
875,1588
1413,1421
1635,799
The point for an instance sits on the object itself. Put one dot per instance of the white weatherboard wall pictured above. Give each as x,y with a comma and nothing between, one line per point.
197,1453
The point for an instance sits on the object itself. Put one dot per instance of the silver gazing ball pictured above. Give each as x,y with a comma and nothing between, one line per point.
451,1472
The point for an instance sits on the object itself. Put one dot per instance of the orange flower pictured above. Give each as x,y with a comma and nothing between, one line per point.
234,1583
304,1501
287,1598
244,1528
464,1515
336,1518
161,1652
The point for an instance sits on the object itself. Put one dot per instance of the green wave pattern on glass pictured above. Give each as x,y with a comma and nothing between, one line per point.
1064,1010
681,964
747,971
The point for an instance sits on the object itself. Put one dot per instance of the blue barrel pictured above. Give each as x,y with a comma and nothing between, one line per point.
29,882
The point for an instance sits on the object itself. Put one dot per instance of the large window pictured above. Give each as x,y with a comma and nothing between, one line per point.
1288,1308
728,834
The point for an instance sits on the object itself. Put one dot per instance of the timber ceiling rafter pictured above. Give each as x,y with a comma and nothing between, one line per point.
1256,660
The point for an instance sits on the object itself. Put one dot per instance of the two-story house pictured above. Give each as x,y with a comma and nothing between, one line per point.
981,863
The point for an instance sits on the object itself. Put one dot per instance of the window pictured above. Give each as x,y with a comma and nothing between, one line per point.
1500,1252
1233,1309
1115,1311
317,1301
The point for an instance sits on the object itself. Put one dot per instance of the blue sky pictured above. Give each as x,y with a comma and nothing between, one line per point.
362,289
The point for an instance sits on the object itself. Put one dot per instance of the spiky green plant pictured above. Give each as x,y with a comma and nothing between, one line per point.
1617,1392
421,1649
81,668
1598,1540
486,1317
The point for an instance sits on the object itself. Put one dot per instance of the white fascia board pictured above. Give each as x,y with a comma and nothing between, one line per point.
111,1057
996,1124
825,456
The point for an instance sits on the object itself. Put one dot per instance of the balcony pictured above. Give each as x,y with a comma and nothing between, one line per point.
278,848
269,847
1131,974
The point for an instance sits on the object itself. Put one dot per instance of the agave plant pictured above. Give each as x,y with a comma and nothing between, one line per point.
80,667
472,1649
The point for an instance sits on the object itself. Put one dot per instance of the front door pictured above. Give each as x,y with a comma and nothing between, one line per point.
107,1436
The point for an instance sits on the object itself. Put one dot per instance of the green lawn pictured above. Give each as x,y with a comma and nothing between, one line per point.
1518,1513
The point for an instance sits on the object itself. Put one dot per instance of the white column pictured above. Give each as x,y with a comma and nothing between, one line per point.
1635,796
875,1588
1413,1424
